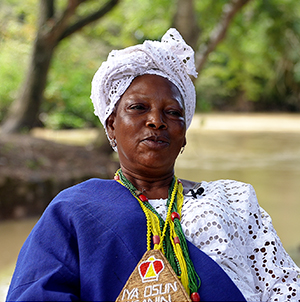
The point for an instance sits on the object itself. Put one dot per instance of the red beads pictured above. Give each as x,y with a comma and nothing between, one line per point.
195,297
175,215
143,198
156,239
176,240
116,177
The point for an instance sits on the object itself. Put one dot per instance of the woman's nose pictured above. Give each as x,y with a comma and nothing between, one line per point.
155,121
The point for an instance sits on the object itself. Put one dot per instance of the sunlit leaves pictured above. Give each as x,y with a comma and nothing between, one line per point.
259,58
133,21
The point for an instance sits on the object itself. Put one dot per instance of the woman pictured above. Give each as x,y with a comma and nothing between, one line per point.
217,240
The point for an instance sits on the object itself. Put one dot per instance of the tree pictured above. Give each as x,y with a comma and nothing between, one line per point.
256,67
53,27
219,32
133,22
185,20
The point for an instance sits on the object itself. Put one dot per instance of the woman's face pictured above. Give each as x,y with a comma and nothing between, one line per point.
149,126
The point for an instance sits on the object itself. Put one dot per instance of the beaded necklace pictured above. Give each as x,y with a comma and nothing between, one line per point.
167,235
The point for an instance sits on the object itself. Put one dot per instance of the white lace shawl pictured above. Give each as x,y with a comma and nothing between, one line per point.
227,223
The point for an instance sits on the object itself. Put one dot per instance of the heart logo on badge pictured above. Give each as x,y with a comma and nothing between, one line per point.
149,270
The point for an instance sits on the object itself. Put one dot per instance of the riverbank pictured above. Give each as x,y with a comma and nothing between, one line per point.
34,169
257,122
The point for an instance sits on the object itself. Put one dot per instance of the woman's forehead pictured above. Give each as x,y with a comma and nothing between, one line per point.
148,85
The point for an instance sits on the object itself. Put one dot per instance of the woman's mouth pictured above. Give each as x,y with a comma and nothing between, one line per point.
156,142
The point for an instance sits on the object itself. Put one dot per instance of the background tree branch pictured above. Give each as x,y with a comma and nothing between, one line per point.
219,32
55,26
185,21
24,111
88,19
46,11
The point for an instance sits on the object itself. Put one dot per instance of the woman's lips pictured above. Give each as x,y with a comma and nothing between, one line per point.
156,142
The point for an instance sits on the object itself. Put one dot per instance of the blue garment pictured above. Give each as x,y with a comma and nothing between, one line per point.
88,242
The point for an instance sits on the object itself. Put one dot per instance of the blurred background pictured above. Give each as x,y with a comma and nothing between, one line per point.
247,122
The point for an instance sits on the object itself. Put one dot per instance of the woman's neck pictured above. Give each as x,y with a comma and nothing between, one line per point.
152,187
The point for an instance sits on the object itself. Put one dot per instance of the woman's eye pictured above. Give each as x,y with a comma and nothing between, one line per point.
175,113
137,107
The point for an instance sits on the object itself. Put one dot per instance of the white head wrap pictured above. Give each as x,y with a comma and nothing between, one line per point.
171,58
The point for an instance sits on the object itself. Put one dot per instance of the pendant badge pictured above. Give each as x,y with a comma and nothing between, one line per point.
153,280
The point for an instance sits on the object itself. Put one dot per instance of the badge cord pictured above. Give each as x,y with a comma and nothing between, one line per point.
167,236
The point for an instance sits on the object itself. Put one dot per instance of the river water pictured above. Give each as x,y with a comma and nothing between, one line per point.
263,150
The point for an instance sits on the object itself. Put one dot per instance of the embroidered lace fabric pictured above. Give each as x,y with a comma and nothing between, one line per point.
171,58
227,223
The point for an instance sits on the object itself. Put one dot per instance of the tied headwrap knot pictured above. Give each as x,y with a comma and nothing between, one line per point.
171,58
183,51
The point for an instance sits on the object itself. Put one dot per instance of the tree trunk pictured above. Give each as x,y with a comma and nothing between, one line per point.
53,27
24,112
185,21
218,34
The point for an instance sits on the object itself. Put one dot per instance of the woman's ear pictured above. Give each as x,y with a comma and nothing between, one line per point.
110,125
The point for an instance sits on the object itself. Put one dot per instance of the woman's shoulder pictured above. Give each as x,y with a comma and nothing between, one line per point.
85,201
227,185
83,193
90,186
224,191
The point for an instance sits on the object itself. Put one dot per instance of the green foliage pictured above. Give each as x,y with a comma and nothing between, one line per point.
17,31
258,62
259,59
133,21
67,103
11,72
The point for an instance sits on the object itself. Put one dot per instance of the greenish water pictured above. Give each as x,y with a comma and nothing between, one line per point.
269,160
12,235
